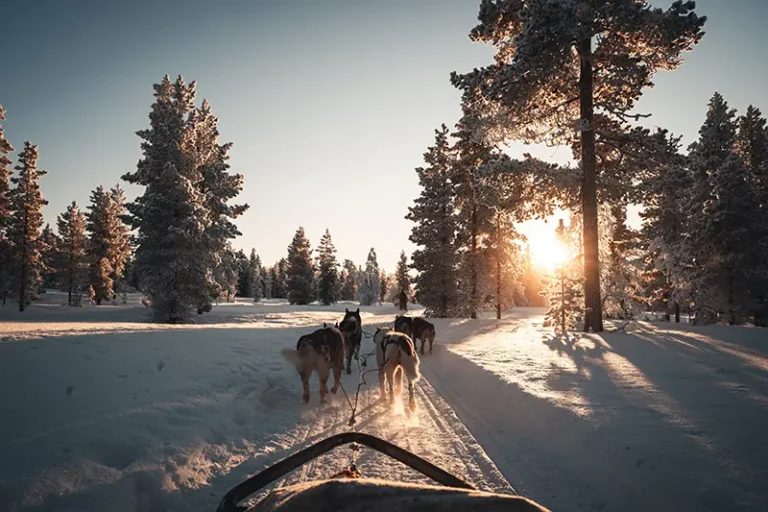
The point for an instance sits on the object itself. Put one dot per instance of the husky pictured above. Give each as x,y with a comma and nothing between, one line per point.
351,328
321,351
418,329
395,355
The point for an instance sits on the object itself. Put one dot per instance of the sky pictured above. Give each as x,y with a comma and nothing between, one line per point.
330,104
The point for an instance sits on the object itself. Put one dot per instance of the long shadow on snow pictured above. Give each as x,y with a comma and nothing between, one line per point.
620,456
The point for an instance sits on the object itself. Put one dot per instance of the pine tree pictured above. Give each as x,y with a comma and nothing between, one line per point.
563,289
49,246
225,278
548,79
752,148
244,277
328,269
266,283
109,244
474,217
300,272
621,278
26,219
173,252
502,264
402,279
218,187
368,281
435,229
348,281
279,274
6,271
383,287
254,265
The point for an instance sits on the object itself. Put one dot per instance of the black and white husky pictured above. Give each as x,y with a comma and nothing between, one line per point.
395,355
351,327
321,351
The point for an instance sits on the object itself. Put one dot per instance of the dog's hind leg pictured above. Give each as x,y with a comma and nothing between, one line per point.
398,379
382,382
411,400
305,383
337,367
391,378
349,350
323,372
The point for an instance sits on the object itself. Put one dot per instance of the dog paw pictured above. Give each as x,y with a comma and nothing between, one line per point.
334,389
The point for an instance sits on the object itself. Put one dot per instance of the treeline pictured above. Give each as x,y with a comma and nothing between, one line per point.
180,255
302,278
702,246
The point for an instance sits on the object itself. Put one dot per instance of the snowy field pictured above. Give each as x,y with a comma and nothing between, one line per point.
102,410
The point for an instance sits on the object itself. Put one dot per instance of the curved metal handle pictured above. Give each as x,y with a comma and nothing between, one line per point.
231,500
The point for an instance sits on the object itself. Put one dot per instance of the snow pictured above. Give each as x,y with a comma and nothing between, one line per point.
103,410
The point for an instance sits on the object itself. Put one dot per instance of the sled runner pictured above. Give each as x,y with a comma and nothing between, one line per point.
350,492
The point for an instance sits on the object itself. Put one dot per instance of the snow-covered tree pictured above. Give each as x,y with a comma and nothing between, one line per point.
566,72
218,187
266,282
368,281
278,275
173,252
300,271
109,241
328,271
665,236
435,229
751,146
225,276
402,279
49,246
474,216
26,219
6,271
71,263
348,279
621,277
502,264
254,263
383,287
244,275
563,288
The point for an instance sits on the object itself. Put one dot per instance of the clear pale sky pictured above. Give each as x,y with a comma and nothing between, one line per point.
330,104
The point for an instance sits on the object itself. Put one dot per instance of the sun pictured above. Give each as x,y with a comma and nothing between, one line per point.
547,252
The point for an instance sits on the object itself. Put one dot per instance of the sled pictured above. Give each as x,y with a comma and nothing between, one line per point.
347,491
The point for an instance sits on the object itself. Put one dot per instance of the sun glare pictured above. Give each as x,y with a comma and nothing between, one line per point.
547,252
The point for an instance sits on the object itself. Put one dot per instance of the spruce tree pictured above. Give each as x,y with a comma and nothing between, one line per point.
244,277
6,271
266,283
300,272
279,279
254,265
435,229
563,289
328,269
26,219
49,246
402,279
173,251
368,281
549,84
383,287
474,217
109,244
71,263
348,281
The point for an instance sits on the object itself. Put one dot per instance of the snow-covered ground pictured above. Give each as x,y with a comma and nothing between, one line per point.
102,410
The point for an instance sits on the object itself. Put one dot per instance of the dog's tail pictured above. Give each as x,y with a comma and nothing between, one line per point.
292,356
410,364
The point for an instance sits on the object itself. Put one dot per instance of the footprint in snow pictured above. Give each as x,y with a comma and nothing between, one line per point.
160,366
70,389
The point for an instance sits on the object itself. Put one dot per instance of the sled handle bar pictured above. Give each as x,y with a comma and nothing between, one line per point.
231,500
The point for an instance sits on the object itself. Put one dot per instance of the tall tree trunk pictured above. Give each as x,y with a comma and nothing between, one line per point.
593,315
677,312
473,263
22,287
